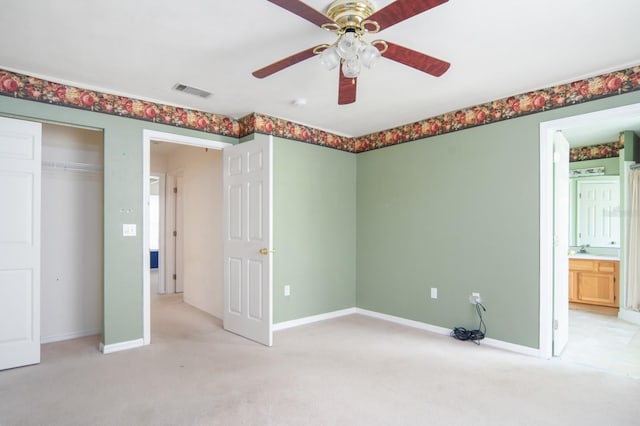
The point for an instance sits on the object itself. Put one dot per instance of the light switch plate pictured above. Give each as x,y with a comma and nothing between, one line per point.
434,293
129,230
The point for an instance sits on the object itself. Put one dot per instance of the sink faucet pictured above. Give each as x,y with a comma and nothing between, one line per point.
583,248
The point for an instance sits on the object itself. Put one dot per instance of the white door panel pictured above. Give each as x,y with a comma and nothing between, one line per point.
247,233
20,171
599,213
561,244
179,251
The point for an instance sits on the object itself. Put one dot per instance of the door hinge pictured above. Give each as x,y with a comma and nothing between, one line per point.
175,277
555,324
175,190
175,233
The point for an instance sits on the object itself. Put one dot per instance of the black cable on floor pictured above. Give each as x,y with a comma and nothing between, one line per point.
462,333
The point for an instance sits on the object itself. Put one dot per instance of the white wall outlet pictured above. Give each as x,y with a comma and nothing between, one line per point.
475,298
129,230
434,293
287,290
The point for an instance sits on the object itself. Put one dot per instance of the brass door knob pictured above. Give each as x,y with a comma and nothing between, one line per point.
265,251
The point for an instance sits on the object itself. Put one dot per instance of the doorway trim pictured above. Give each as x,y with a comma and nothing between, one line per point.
547,130
147,137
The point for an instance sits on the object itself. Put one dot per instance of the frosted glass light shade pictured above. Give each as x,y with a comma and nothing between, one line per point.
330,58
368,55
351,68
348,46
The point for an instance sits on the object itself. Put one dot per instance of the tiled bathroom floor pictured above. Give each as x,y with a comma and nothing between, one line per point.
604,342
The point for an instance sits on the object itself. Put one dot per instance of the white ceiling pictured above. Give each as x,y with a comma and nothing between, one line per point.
143,48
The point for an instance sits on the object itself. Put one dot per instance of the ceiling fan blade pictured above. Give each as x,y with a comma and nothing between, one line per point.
284,63
425,63
400,10
346,89
304,11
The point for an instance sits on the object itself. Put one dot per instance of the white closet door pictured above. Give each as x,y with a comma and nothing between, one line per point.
20,171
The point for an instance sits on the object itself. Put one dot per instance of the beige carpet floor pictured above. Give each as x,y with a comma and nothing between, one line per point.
353,370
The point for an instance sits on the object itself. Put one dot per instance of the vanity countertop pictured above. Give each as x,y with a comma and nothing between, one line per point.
593,256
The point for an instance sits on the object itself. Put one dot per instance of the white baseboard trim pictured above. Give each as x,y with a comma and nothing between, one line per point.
315,318
122,346
404,321
512,347
630,316
69,336
499,344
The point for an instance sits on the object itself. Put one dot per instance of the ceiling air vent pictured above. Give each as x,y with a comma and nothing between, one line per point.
191,90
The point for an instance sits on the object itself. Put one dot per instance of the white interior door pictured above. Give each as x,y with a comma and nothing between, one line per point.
247,239
20,172
599,213
170,238
179,240
561,244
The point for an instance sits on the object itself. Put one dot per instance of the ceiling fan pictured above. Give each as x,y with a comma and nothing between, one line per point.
350,20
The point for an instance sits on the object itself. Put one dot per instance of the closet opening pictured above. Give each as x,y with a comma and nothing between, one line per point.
71,234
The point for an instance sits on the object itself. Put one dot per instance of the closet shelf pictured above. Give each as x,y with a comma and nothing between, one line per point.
71,166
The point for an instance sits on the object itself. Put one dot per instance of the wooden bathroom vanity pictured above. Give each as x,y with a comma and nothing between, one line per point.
594,281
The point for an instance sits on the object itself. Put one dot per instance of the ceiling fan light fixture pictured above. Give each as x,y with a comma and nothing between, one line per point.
351,21
351,67
330,58
368,55
348,45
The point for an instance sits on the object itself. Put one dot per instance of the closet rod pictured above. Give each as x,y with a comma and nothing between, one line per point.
635,166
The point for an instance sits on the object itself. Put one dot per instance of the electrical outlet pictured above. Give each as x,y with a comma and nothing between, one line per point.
287,290
434,293
475,298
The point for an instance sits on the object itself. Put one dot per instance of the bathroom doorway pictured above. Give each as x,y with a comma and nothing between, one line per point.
620,119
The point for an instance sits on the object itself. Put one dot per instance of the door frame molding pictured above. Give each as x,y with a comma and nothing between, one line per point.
162,178
148,136
547,130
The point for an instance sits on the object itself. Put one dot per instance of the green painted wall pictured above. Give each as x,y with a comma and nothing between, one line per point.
314,229
459,212
122,204
632,146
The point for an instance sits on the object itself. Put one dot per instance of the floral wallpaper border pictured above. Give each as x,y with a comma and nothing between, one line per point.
265,124
596,152
31,88
611,84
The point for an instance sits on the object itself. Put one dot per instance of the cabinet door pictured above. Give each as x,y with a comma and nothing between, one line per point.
597,288
573,286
